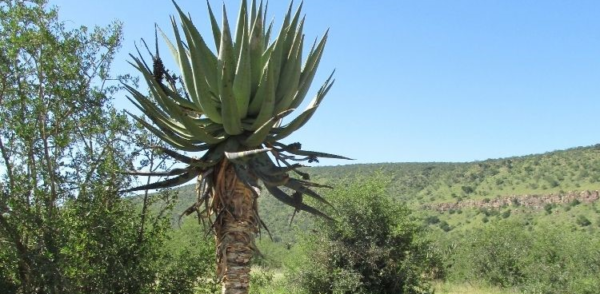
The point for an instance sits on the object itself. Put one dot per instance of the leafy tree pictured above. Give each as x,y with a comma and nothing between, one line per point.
494,254
63,226
230,104
373,247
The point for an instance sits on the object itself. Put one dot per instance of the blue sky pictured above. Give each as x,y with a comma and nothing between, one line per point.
422,81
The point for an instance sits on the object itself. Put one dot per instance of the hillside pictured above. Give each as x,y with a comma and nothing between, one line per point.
430,185
574,169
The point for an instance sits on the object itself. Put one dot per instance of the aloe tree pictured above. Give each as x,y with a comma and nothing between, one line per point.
231,104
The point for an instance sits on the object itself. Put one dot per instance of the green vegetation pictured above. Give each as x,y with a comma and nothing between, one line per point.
506,242
575,169
546,259
230,104
63,226
469,288
398,228
373,247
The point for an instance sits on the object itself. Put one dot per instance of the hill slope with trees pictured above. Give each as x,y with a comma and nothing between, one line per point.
430,186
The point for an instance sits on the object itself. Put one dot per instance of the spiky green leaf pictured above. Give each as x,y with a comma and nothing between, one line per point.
226,75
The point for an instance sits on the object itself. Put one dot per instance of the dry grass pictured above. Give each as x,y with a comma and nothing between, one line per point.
449,288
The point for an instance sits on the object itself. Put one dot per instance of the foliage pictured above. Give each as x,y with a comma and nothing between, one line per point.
495,255
544,260
422,184
188,264
417,184
64,227
583,221
454,232
60,146
230,103
469,288
373,247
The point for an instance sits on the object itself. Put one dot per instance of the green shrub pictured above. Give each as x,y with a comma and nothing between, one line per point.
583,221
546,259
188,264
373,247
467,189
260,278
432,220
561,261
548,208
445,226
496,253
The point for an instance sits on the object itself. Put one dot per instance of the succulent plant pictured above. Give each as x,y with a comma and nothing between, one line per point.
231,103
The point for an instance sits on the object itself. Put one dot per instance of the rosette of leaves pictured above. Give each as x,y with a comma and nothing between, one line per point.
231,103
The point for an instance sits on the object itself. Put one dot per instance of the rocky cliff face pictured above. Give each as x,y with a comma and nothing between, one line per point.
532,201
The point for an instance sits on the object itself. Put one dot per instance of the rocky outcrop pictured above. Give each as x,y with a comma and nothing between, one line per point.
532,201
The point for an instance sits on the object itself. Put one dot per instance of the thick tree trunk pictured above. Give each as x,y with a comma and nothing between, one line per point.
236,226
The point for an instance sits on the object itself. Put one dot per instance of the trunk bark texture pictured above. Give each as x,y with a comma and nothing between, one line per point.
236,225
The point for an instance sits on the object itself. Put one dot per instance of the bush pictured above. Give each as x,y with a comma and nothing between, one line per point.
583,221
468,189
445,226
491,255
432,220
372,247
546,259
561,261
548,208
188,264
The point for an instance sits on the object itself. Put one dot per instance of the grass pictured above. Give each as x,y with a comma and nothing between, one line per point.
450,288
440,287
266,281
